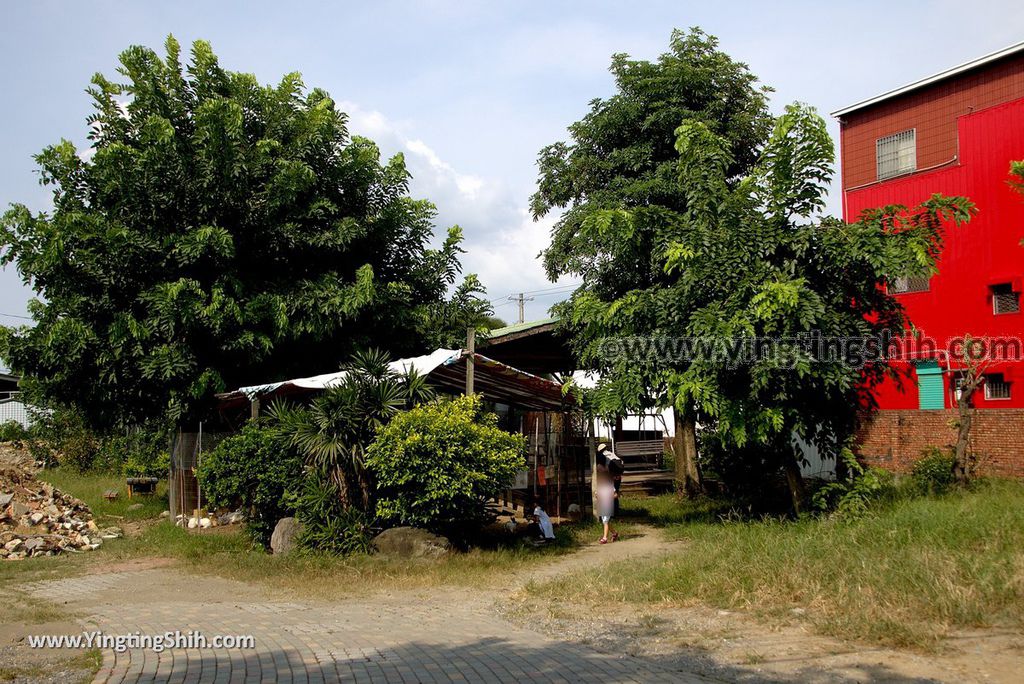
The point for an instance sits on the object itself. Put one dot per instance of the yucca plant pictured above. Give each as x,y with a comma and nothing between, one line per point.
335,430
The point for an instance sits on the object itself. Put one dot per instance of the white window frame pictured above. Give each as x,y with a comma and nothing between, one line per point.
989,379
996,295
902,158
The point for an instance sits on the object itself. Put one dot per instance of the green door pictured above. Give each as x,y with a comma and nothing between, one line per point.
929,385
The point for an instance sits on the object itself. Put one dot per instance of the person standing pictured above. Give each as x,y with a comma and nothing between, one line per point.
606,499
615,468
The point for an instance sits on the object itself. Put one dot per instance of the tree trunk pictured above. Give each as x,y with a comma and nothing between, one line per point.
962,468
684,446
795,481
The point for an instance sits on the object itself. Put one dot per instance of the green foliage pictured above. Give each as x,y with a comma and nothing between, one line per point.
219,230
335,430
853,496
254,469
13,431
61,437
698,217
327,525
437,464
933,472
147,464
136,452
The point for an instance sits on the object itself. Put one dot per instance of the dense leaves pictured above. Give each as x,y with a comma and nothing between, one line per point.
256,470
220,232
438,464
729,251
334,431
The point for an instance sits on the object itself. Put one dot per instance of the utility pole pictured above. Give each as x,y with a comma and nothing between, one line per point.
521,299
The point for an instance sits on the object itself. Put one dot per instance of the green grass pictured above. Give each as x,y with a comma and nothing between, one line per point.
228,552
90,487
907,575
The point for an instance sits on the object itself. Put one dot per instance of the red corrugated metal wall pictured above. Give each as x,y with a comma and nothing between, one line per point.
986,251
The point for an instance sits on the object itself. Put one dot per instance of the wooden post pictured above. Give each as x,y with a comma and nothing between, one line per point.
470,350
254,408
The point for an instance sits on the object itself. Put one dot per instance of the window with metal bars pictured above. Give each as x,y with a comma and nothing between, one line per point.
896,154
1004,299
996,387
903,285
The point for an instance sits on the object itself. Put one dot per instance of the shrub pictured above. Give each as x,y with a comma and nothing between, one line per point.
13,431
933,473
328,526
254,469
438,464
853,496
150,464
60,436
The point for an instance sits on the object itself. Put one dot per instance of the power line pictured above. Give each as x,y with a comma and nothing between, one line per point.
27,318
546,292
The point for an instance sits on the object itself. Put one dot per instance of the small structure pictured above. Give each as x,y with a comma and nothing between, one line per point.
525,402
539,347
12,407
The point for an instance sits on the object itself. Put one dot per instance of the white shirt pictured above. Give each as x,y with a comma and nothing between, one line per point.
546,528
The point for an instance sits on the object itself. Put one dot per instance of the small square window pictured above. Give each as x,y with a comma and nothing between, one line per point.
996,387
1004,299
896,154
905,285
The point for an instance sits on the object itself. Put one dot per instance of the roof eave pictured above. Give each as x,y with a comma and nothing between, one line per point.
942,75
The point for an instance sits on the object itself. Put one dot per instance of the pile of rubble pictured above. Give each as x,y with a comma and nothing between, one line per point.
37,519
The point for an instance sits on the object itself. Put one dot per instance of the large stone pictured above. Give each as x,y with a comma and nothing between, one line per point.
33,543
285,536
411,542
19,509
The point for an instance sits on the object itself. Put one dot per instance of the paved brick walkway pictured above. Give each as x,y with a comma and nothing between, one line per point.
435,636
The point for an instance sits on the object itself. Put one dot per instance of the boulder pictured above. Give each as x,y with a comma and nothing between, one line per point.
411,542
285,537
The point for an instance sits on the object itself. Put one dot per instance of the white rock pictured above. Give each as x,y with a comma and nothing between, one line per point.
204,523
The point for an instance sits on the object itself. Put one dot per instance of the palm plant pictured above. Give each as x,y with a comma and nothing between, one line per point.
334,431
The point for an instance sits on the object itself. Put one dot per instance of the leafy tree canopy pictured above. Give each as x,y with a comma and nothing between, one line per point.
721,240
622,154
220,232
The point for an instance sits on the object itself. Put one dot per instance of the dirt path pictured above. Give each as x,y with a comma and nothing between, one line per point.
418,636
732,646
479,635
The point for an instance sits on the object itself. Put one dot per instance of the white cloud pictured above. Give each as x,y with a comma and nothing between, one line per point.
502,241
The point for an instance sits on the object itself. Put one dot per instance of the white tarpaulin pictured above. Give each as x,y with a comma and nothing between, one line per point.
421,364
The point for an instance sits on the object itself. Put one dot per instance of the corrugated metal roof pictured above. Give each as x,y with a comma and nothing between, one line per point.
935,78
518,327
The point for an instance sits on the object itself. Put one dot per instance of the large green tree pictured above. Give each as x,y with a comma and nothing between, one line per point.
622,155
220,232
729,305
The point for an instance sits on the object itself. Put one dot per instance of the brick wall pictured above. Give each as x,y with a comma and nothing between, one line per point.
895,439
933,111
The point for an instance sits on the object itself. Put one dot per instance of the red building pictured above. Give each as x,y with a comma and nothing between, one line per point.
953,133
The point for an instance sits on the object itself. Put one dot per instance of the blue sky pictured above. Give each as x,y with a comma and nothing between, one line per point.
469,91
